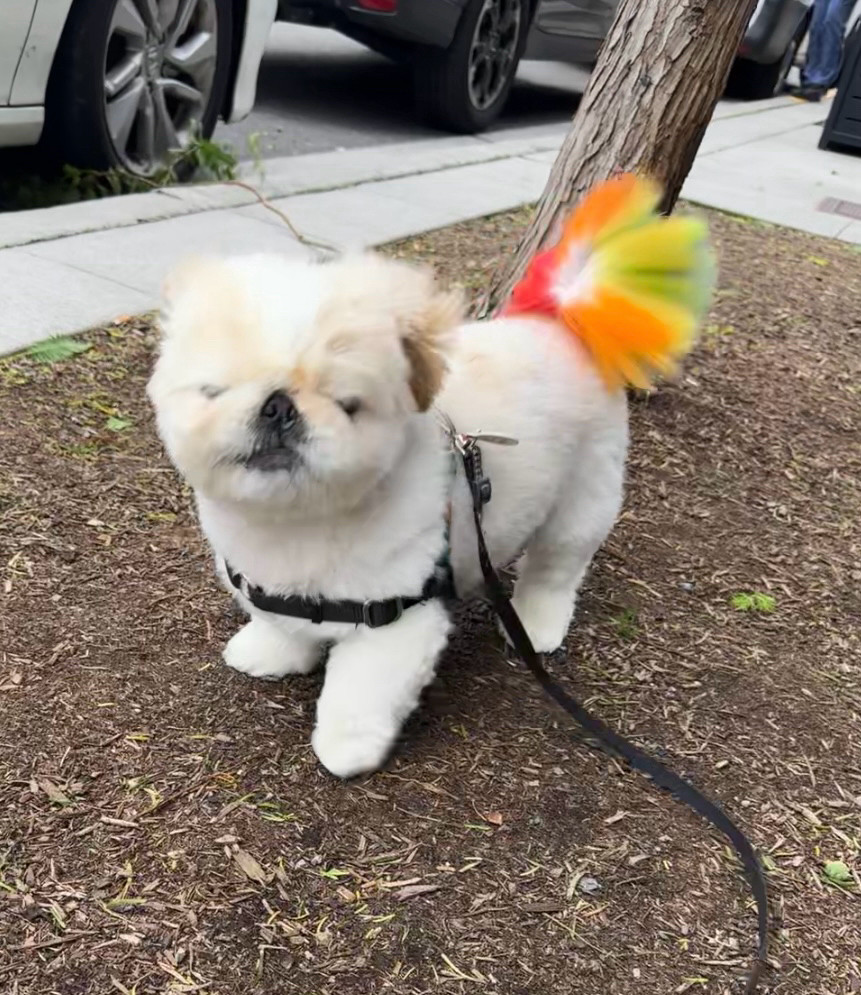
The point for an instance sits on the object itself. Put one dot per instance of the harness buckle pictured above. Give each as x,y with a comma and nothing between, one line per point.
375,614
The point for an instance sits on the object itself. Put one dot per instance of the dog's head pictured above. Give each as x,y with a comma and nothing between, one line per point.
286,382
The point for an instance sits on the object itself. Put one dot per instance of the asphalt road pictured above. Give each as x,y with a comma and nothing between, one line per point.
319,91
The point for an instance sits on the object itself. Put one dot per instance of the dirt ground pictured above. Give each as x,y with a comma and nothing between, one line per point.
165,827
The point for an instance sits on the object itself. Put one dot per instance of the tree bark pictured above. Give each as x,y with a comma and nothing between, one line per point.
660,72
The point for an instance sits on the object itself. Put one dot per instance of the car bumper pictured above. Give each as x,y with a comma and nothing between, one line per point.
771,29
20,125
259,18
414,21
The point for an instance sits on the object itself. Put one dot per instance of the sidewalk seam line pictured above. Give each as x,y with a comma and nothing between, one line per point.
193,210
80,269
760,138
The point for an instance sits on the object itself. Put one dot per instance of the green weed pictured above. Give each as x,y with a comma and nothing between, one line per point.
57,349
753,601
625,624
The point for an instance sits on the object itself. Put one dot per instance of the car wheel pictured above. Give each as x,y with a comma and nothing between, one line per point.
754,81
464,87
135,81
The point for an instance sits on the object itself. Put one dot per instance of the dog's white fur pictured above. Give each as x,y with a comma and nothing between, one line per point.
361,514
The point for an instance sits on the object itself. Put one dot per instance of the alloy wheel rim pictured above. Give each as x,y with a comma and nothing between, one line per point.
160,63
493,50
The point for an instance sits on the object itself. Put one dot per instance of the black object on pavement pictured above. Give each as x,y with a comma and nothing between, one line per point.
842,131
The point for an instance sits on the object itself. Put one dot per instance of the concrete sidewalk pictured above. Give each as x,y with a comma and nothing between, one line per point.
67,268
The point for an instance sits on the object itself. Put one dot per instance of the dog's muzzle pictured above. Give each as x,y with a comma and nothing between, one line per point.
278,428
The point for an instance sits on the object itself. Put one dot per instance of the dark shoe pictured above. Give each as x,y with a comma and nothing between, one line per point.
813,94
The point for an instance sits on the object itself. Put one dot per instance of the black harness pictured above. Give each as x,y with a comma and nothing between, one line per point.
373,614
441,585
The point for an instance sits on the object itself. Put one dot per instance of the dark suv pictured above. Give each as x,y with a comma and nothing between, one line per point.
465,52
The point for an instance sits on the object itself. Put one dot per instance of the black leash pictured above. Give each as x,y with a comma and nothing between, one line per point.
609,740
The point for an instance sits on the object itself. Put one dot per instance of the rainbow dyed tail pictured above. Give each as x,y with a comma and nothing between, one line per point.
631,285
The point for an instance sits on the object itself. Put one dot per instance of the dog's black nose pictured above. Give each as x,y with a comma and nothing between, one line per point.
279,410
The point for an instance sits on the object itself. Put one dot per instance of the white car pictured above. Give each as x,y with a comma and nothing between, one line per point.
126,83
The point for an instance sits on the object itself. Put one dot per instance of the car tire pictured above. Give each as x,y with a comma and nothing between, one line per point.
753,81
464,87
130,95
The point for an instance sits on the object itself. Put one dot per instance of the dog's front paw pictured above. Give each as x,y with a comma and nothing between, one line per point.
349,747
261,651
546,616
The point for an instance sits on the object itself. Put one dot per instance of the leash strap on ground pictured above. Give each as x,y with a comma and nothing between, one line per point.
609,740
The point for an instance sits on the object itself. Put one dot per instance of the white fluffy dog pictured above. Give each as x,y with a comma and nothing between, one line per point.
298,400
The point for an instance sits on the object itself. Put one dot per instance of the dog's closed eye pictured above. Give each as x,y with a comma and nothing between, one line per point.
351,406
211,390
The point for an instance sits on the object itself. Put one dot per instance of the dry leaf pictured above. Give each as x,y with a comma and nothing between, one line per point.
54,793
542,907
249,867
393,885
615,818
494,818
413,890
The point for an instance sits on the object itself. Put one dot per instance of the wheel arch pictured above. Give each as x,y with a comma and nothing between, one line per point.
44,39
240,14
50,20
252,23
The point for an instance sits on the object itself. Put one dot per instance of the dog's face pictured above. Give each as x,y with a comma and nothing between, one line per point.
293,384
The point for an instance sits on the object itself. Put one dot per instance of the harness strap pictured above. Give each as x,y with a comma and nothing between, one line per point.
609,740
373,614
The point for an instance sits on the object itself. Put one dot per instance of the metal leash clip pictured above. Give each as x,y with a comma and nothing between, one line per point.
494,438
479,484
466,444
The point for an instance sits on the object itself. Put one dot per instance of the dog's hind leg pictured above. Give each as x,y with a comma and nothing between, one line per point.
559,552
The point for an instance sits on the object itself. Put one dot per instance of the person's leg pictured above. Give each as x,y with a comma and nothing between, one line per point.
825,52
815,36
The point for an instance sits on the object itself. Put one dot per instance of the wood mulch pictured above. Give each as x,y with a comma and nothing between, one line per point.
165,827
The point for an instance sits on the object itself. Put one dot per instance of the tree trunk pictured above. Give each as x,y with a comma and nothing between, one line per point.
660,72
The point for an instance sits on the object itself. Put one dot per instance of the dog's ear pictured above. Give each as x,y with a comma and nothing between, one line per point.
425,344
184,274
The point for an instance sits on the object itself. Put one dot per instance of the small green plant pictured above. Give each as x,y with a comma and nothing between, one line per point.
274,812
836,872
625,624
333,873
114,424
57,349
202,160
753,601
255,150
208,161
